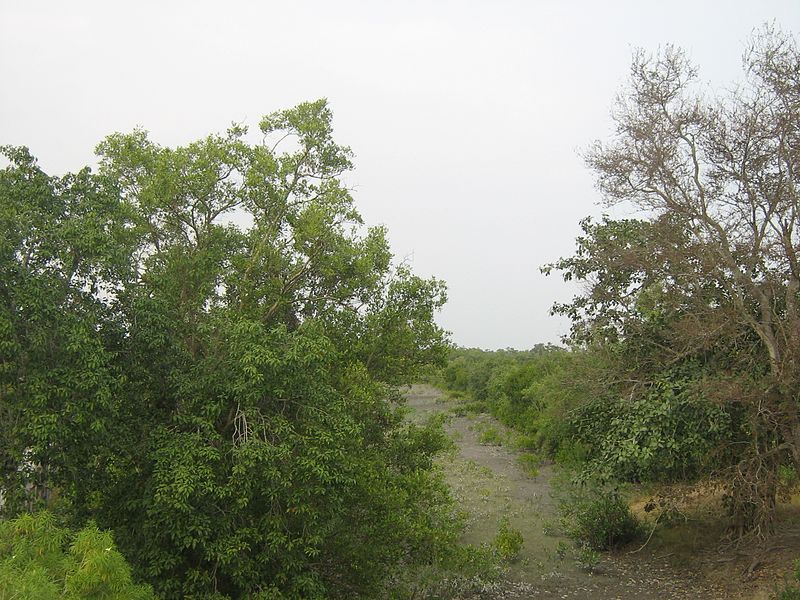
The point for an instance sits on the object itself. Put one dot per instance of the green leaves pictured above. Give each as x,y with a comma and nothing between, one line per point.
667,432
61,269
706,280
39,559
198,351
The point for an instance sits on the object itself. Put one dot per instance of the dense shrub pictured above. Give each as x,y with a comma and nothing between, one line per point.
42,561
565,406
508,542
665,432
602,520
531,391
791,591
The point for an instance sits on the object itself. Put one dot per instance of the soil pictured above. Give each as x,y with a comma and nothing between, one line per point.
490,484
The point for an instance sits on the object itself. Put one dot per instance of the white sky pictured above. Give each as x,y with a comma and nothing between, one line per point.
466,118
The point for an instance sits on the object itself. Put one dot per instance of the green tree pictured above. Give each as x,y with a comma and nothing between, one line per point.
213,380
710,272
64,253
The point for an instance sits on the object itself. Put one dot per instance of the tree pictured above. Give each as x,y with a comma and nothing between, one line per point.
199,349
711,272
64,251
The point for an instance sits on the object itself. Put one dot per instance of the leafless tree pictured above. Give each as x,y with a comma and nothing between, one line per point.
716,177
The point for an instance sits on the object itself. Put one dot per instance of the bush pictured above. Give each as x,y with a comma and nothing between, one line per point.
39,559
602,521
533,392
572,454
525,442
530,463
790,592
508,542
666,431
491,437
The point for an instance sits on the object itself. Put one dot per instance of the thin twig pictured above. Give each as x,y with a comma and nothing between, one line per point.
649,537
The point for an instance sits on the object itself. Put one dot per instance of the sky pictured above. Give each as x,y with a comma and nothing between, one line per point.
467,118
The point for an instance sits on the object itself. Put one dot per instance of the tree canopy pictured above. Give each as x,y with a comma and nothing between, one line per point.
708,276
198,347
41,560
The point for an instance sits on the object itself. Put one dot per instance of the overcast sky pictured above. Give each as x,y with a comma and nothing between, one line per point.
466,118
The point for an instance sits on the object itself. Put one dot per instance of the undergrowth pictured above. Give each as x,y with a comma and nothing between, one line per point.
598,517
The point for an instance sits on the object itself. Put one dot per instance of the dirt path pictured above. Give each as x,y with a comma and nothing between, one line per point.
490,484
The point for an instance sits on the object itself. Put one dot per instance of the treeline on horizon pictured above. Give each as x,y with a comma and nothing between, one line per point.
570,407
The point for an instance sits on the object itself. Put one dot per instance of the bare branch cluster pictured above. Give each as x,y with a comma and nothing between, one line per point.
713,269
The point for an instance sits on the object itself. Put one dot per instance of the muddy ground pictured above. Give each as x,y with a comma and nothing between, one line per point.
490,484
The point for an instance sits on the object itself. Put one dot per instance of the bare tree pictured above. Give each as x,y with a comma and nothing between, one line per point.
716,177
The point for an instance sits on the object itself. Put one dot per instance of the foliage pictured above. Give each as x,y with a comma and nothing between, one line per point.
788,480
508,542
530,463
599,518
199,347
587,558
39,559
666,432
791,591
469,407
490,437
470,370
570,405
530,391
709,275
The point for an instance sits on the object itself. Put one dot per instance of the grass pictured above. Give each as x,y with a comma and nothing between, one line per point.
522,441
529,463
491,437
470,408
470,466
